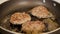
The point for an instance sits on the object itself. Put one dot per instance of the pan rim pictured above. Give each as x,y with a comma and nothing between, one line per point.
21,33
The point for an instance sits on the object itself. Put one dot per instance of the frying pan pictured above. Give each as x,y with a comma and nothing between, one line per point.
12,6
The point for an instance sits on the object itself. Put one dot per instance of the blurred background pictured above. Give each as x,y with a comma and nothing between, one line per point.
1,1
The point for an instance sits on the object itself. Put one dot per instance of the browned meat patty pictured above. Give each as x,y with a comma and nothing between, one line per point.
41,12
33,26
19,18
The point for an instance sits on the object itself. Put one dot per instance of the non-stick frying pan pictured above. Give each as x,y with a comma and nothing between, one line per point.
12,6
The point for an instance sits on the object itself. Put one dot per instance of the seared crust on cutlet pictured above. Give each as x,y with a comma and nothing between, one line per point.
19,18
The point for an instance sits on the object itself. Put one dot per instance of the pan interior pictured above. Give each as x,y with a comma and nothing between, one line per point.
7,25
